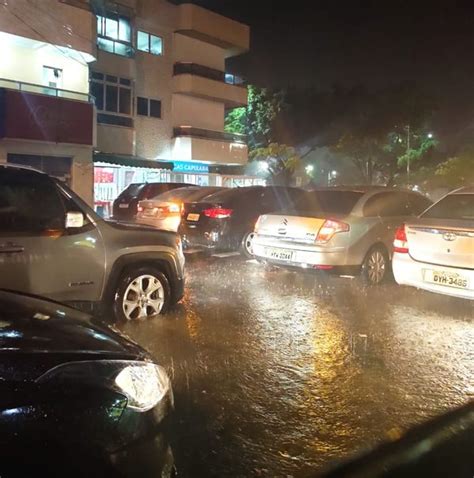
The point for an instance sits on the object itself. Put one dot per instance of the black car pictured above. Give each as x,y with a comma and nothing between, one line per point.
77,398
226,220
125,206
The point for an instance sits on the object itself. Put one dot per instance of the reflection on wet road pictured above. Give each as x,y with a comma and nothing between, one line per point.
277,373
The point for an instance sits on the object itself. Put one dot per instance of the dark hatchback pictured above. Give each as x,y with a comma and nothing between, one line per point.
226,220
77,398
125,206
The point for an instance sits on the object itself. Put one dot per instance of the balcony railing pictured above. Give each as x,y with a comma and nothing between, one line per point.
207,72
45,90
180,131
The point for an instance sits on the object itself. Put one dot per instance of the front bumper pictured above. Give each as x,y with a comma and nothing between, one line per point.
298,255
407,271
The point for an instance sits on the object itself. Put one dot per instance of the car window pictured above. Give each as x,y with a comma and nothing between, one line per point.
30,204
418,204
131,191
333,202
454,206
388,204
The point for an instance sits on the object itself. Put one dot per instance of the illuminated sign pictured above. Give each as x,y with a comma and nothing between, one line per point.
190,167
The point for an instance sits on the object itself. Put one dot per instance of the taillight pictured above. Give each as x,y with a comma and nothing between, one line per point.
139,208
329,228
400,243
218,213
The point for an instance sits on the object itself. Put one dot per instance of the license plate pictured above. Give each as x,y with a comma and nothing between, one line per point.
192,217
279,254
450,279
150,212
123,206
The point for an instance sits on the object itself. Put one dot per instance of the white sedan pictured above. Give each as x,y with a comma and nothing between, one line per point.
435,252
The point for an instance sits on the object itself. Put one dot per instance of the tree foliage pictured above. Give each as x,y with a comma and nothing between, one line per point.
457,171
257,119
282,161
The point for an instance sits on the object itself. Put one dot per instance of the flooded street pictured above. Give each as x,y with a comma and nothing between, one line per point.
277,373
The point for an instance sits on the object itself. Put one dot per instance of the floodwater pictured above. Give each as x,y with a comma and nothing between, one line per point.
278,373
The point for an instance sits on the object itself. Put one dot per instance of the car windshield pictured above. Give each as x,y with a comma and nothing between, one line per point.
132,190
454,206
331,202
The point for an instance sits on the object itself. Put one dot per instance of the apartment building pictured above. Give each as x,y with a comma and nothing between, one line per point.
122,91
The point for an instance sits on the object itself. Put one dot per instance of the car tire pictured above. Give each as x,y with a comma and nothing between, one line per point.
246,245
376,266
141,293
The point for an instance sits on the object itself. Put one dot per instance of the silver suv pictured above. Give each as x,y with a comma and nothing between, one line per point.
52,244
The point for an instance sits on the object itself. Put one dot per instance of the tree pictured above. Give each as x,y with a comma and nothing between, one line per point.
456,171
282,161
256,120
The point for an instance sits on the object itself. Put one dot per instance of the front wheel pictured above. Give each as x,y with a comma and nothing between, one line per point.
141,293
376,265
246,247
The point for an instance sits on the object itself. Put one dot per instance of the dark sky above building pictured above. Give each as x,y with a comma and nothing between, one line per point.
370,42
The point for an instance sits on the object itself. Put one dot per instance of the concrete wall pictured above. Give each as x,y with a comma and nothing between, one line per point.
191,50
82,168
115,139
197,112
14,59
220,152
50,21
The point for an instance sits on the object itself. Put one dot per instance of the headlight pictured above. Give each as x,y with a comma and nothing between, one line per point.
144,384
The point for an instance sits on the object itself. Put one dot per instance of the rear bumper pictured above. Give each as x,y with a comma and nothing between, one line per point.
301,256
164,223
209,238
409,272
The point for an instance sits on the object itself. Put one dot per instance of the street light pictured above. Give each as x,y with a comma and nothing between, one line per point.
309,169
263,166
430,135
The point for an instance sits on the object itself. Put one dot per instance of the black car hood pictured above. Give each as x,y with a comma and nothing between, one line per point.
32,325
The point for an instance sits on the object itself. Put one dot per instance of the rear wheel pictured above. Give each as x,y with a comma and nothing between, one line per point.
375,268
142,293
246,247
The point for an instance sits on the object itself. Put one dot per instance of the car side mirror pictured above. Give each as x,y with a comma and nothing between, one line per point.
74,220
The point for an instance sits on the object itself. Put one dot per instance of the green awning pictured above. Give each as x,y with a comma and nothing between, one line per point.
131,161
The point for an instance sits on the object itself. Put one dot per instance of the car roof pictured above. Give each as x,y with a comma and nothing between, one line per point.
21,167
363,189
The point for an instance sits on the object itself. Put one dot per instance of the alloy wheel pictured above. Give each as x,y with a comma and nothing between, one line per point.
248,243
144,297
376,266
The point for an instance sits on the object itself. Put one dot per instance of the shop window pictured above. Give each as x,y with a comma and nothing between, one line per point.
148,107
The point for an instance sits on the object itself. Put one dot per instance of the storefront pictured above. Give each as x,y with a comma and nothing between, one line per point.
113,173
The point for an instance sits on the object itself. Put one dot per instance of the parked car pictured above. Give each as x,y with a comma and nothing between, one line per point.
435,252
52,244
164,210
342,229
226,220
125,206
77,398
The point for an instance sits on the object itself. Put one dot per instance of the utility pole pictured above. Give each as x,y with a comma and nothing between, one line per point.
408,153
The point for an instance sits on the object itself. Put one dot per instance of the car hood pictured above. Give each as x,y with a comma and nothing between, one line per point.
30,324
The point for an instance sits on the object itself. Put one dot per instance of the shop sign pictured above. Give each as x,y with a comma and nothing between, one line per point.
102,175
190,167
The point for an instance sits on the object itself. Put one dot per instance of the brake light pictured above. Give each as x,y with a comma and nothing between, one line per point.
218,213
329,228
257,224
400,243
139,208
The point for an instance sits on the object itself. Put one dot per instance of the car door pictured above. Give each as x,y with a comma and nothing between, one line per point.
38,253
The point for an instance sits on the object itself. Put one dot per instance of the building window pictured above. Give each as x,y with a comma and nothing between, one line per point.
150,43
147,107
112,95
114,34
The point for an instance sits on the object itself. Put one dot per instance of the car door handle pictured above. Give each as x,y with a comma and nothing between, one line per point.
10,248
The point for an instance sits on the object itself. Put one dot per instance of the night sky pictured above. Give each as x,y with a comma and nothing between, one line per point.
374,43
